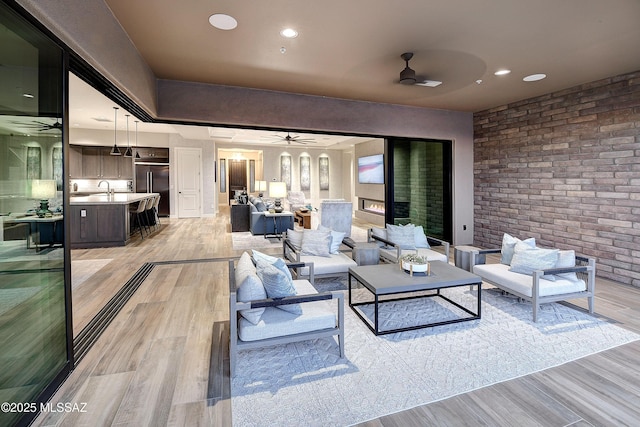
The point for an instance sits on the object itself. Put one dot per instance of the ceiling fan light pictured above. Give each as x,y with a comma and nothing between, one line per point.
407,76
429,83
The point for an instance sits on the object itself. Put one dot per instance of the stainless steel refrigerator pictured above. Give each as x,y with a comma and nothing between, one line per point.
154,178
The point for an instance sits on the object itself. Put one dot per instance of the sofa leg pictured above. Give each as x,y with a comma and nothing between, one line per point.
591,304
535,312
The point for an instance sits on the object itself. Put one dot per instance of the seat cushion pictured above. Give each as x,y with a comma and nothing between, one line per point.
334,264
430,254
500,275
316,315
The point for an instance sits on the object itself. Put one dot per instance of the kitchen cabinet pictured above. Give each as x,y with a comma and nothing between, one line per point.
96,162
75,161
99,225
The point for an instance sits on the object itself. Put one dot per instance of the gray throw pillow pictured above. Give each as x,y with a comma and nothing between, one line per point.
336,239
403,236
526,259
277,284
316,243
567,258
421,238
295,238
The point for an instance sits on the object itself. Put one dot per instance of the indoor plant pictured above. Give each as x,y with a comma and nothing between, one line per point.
414,263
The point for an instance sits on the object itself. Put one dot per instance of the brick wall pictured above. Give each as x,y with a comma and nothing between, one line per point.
565,168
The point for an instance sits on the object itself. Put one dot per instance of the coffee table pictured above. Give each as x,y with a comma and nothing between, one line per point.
390,282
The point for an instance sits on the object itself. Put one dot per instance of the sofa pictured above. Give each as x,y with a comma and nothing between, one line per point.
325,253
260,319
395,241
535,274
258,222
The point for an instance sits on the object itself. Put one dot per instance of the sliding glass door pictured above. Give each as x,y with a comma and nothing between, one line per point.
34,336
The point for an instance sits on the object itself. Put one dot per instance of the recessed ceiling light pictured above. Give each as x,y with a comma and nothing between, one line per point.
502,72
289,33
223,22
27,95
534,77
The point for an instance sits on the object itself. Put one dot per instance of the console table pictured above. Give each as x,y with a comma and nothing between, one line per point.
276,220
240,217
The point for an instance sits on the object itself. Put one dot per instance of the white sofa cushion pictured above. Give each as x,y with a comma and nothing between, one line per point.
523,284
316,315
430,254
334,264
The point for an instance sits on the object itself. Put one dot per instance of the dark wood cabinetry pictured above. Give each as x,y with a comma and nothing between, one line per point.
98,225
240,217
96,162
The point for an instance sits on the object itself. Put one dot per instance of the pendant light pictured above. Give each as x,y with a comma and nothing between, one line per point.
115,151
137,154
128,152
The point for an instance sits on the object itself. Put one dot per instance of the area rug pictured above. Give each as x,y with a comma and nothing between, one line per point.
246,240
307,383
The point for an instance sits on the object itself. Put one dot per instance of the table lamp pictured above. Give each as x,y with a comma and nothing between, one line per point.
261,186
43,190
278,190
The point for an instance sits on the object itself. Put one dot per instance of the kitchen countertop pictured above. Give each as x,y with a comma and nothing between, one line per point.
114,199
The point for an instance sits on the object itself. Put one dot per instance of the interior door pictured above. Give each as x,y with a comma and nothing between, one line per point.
189,182
237,176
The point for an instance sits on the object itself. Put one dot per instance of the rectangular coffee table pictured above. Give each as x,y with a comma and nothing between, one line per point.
385,280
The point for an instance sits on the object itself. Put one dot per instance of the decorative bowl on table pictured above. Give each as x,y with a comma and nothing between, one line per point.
415,264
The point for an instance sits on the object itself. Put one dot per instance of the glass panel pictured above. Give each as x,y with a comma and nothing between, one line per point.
33,332
421,185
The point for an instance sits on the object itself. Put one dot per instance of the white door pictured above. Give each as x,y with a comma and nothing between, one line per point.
189,182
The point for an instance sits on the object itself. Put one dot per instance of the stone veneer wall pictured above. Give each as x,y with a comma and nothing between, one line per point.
565,169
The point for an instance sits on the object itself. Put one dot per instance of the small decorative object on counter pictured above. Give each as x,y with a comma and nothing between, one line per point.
415,265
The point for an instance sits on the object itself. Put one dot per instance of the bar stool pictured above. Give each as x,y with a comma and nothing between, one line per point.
156,203
148,214
138,215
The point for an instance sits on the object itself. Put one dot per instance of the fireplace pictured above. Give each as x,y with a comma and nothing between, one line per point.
372,206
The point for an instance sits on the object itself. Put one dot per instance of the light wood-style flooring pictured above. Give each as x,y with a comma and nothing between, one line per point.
164,361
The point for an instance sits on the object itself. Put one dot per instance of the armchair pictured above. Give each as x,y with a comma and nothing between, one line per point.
337,215
391,250
296,200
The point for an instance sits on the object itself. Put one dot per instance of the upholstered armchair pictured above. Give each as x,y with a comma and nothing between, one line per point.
337,215
296,200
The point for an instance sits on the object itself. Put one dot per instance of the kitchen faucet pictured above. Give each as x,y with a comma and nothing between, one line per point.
108,186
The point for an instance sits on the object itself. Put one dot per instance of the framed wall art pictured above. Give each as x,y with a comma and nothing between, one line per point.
285,170
305,173
323,172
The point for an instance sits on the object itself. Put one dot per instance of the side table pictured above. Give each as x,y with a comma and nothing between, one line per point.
240,217
462,256
366,253
276,220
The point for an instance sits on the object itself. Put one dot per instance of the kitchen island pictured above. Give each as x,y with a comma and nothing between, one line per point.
102,220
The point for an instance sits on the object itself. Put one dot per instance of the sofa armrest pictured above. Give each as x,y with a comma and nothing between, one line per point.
296,299
439,242
479,257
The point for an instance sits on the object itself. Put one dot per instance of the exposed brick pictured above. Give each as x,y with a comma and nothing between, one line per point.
565,168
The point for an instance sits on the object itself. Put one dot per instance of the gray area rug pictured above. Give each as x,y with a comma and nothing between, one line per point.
246,240
307,383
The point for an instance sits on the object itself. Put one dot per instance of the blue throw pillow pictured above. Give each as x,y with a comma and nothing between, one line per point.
526,259
508,245
277,284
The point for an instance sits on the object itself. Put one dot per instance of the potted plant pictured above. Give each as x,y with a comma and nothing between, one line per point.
414,263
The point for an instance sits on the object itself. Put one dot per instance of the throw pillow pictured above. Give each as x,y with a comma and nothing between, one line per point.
403,236
277,285
380,232
567,258
249,288
526,259
295,237
279,263
420,238
316,242
508,245
336,239
260,205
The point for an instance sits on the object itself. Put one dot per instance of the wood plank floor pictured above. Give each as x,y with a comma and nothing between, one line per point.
164,361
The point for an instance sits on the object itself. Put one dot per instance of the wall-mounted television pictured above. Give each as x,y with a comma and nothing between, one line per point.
371,169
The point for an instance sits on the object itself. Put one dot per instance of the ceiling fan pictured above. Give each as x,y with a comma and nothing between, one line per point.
40,126
289,139
408,76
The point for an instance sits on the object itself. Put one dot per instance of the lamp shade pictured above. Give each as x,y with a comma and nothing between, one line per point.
43,189
261,186
278,190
